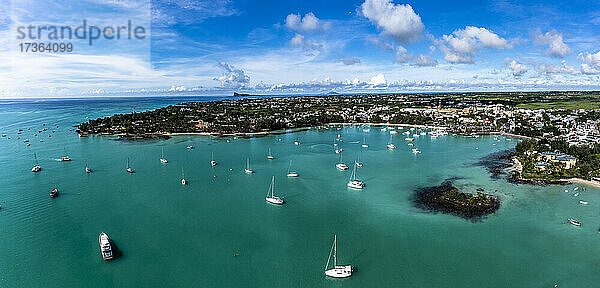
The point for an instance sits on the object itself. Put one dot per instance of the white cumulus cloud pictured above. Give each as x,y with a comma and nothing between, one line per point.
517,69
425,60
396,20
591,62
300,41
307,23
462,45
232,77
554,40
378,79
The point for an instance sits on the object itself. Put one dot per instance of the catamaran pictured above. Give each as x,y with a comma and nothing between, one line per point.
212,159
183,181
355,183
105,248
270,156
36,167
271,198
291,173
391,145
128,169
248,170
162,155
338,271
340,165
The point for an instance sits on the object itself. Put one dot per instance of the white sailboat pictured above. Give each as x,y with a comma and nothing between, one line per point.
365,145
340,165
355,183
128,169
36,167
248,170
87,169
183,181
391,145
162,155
271,198
270,156
358,163
338,271
212,159
291,173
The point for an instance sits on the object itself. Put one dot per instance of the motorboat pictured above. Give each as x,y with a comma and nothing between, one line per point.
105,247
54,192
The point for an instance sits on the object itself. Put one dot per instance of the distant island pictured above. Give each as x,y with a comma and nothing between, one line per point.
448,199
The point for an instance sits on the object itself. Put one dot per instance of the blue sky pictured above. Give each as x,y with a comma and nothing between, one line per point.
306,47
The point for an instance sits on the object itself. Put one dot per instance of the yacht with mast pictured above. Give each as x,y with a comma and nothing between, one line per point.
291,173
87,169
65,157
128,169
162,155
183,181
338,271
355,183
36,167
365,145
271,198
248,170
212,159
270,156
340,165
391,145
105,247
358,163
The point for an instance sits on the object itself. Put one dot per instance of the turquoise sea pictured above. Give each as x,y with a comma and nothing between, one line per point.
186,236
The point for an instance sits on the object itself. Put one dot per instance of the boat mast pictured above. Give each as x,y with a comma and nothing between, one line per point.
248,163
290,167
334,251
35,156
272,186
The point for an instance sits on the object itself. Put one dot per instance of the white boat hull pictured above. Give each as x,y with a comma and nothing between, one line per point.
356,184
274,200
341,166
339,272
249,171
292,174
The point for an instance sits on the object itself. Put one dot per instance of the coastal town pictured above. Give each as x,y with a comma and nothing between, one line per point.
559,142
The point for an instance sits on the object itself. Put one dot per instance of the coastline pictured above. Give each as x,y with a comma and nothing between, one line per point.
391,124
